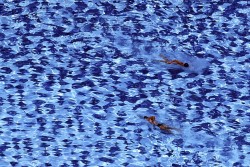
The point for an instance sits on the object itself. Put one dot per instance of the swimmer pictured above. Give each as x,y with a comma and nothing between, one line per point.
166,128
177,62
163,127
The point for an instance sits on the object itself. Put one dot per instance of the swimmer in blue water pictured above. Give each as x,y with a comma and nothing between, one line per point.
177,62
163,127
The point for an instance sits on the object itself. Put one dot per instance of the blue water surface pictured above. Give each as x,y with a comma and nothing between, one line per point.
77,77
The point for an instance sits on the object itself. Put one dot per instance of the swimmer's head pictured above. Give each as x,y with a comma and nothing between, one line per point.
186,65
145,117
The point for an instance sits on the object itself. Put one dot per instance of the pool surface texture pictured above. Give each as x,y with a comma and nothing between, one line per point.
77,78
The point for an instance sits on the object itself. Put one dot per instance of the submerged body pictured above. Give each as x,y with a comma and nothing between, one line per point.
163,127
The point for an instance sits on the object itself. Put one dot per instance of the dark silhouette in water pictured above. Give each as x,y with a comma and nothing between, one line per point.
162,126
177,62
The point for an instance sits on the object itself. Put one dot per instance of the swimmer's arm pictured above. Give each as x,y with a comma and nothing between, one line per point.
164,58
157,61
176,62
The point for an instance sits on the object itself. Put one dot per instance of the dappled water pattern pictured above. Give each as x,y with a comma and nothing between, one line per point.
77,78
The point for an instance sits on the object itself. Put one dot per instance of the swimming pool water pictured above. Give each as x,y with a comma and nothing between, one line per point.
77,77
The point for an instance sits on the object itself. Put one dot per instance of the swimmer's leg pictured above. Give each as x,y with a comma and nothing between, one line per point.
176,129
